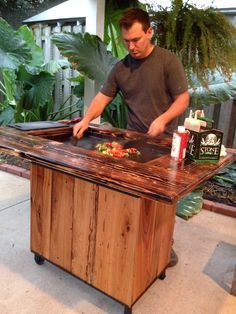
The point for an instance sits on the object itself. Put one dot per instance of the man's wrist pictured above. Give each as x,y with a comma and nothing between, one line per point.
86,119
163,119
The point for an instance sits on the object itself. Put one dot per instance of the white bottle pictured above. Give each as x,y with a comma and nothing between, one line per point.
179,143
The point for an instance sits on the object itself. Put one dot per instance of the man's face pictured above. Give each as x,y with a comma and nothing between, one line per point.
137,41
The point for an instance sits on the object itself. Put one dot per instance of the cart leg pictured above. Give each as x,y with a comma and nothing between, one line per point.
162,275
38,259
128,310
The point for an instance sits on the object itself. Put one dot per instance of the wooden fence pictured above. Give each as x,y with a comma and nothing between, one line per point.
43,33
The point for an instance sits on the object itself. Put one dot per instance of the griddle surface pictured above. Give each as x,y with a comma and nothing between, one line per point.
148,151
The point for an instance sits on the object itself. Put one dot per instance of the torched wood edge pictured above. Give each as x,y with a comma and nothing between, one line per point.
163,178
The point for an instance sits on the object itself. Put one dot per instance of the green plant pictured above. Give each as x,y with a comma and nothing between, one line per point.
89,55
191,204
219,90
190,32
227,176
204,39
27,83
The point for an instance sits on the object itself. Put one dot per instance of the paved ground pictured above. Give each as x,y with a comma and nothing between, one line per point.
200,283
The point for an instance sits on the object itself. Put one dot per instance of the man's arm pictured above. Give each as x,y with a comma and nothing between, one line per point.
179,105
95,109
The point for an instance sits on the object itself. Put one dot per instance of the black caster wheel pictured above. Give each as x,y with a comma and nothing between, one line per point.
128,310
38,259
162,275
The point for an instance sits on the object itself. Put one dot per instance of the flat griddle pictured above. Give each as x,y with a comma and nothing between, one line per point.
149,151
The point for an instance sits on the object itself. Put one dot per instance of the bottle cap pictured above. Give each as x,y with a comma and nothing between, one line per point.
181,128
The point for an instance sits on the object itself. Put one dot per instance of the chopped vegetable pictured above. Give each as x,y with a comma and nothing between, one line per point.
116,150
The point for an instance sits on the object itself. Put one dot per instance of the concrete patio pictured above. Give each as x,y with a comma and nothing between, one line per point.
200,283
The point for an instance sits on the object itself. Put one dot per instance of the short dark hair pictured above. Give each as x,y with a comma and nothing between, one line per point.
132,15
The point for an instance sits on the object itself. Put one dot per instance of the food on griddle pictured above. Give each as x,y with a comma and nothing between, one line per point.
116,150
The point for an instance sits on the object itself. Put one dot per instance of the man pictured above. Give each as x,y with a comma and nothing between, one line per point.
151,79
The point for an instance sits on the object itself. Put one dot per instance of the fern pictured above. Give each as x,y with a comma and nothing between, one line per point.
203,39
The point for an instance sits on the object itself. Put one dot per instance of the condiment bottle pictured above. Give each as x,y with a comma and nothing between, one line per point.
179,143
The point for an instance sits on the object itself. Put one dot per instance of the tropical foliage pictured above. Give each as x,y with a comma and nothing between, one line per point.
18,4
204,39
89,55
27,84
227,176
221,188
218,91
191,204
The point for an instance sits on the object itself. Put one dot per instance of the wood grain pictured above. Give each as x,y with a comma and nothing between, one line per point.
41,190
117,242
61,219
146,249
233,287
163,179
108,221
84,229
156,225
116,239
165,228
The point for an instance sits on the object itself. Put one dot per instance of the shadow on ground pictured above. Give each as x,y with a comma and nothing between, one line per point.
220,267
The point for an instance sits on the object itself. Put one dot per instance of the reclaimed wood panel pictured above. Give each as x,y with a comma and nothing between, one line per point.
41,190
154,243
165,228
61,219
148,252
233,287
146,249
84,229
116,239
165,179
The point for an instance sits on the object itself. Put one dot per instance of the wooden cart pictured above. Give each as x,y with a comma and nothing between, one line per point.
107,221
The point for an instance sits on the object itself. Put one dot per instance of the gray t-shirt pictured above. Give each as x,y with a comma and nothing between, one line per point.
148,86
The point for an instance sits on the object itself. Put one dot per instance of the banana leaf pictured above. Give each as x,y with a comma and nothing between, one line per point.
37,89
37,55
78,90
227,176
7,115
7,85
54,66
14,50
219,90
112,32
87,53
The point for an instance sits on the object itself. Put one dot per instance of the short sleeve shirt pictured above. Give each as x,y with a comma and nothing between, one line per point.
148,86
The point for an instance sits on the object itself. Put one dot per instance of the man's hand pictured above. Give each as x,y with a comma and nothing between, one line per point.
80,127
95,109
157,127
179,105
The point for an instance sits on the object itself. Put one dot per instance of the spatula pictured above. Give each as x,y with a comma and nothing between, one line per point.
73,140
